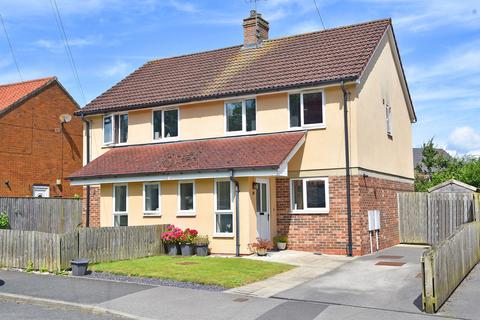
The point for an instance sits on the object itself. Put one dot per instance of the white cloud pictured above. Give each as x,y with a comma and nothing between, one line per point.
183,6
306,26
464,140
419,16
57,45
120,68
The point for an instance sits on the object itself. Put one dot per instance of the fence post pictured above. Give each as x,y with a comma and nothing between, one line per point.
476,206
428,295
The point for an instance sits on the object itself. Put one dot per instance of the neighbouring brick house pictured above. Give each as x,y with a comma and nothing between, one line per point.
249,141
38,152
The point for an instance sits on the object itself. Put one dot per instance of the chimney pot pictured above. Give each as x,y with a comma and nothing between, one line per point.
255,30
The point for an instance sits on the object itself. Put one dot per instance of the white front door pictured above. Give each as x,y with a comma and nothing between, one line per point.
263,209
41,191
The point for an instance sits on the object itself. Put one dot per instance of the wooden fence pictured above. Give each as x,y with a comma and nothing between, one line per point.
446,265
51,215
53,252
429,218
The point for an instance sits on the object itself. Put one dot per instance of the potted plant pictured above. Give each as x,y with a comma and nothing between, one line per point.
261,246
201,245
186,240
171,239
281,242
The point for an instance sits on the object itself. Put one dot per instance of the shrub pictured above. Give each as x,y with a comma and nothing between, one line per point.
4,223
201,241
278,239
260,244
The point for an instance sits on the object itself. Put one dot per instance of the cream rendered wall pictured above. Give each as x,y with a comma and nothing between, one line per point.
376,150
203,221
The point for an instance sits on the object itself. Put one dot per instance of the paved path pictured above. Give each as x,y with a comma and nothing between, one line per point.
20,309
365,284
465,301
309,266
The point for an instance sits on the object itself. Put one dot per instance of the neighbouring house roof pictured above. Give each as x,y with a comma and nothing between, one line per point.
12,93
302,60
238,153
418,156
450,182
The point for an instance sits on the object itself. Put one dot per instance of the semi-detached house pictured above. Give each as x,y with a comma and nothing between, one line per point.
249,141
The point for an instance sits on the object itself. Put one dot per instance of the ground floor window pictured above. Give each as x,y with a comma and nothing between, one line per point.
309,195
120,205
151,199
186,198
223,207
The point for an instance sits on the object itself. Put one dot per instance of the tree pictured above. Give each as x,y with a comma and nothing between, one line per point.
436,168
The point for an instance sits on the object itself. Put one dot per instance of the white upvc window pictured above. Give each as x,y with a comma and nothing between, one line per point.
388,118
240,116
120,205
186,198
307,109
223,204
165,123
309,195
151,199
108,129
115,128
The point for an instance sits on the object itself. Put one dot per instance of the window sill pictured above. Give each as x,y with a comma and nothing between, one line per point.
186,214
152,215
320,211
239,133
163,140
308,127
223,235
110,145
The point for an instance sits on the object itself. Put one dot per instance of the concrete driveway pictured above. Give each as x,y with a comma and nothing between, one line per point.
388,280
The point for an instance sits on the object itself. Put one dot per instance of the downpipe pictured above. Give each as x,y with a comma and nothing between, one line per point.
87,200
347,169
237,214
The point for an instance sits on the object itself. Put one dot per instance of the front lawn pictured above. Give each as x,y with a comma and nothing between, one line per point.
225,272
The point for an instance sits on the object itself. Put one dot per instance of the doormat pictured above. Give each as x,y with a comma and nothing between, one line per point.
389,257
390,263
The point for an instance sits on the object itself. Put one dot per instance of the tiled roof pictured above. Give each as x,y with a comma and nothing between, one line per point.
295,61
245,152
14,92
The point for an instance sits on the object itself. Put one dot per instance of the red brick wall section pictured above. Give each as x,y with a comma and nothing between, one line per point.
327,233
94,207
31,147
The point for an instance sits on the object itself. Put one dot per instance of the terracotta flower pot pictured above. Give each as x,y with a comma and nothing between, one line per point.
262,252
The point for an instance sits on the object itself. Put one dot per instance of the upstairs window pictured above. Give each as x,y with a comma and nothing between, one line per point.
388,117
165,124
241,116
115,128
307,109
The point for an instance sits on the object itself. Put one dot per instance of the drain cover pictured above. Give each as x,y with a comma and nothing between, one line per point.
390,263
389,257
240,299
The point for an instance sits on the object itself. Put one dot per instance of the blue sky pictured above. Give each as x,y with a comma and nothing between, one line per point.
439,42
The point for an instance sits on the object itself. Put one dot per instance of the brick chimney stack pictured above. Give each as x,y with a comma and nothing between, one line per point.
255,29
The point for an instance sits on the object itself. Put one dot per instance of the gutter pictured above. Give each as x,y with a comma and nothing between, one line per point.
237,214
87,200
213,97
347,170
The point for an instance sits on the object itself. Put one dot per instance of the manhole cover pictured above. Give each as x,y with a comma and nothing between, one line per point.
186,263
390,263
389,257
